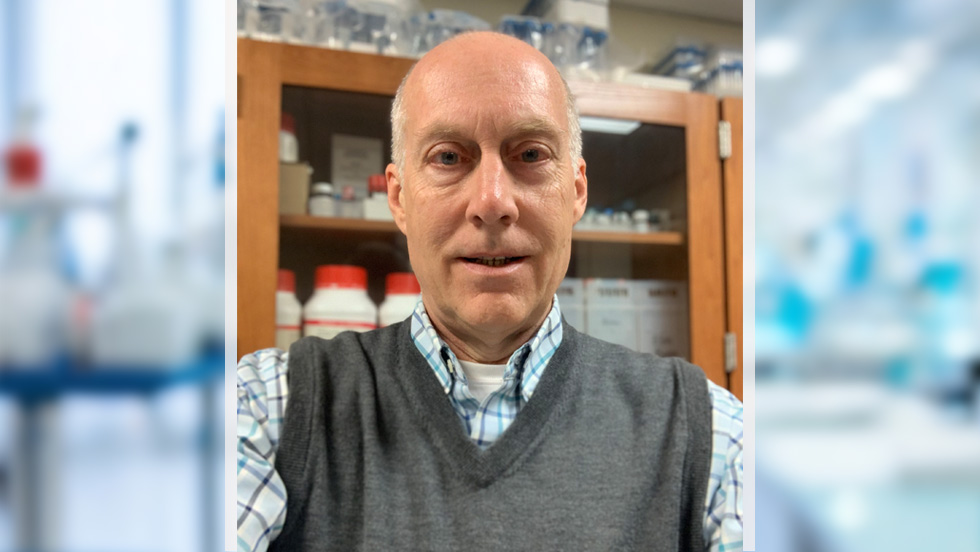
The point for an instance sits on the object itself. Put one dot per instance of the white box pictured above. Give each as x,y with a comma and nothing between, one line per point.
571,301
609,311
661,317
376,208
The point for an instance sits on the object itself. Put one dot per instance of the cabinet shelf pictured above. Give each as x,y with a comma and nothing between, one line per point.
308,222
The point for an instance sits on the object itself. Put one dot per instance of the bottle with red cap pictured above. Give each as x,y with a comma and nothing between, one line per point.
402,293
288,146
289,313
340,302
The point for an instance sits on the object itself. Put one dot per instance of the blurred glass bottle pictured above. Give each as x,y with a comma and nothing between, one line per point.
34,296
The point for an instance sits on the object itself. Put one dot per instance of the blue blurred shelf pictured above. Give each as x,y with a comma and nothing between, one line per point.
45,383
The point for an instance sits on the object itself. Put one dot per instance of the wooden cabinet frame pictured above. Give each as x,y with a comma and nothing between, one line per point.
263,70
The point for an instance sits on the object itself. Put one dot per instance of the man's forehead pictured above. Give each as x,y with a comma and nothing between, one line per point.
529,125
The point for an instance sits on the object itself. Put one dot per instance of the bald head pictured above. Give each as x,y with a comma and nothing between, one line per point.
485,57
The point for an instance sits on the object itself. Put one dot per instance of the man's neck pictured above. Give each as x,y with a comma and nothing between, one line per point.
485,348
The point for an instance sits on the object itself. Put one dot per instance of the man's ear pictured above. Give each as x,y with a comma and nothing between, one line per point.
581,189
395,197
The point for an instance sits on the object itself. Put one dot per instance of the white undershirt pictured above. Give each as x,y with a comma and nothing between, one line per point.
483,379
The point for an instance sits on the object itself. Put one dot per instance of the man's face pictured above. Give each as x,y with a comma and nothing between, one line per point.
489,192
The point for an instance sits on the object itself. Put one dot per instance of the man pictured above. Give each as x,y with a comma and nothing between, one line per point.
483,421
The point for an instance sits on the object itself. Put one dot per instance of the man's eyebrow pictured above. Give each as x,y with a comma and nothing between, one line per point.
528,127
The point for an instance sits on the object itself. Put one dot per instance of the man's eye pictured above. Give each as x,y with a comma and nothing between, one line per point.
448,158
530,155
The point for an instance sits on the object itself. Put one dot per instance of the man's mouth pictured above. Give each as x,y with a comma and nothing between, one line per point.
493,261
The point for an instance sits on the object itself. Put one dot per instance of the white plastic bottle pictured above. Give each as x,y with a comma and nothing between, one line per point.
288,145
340,303
288,310
401,295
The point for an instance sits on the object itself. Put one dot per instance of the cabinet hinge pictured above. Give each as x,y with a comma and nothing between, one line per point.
724,139
731,353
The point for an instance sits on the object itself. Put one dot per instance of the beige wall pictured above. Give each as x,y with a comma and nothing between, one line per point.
650,33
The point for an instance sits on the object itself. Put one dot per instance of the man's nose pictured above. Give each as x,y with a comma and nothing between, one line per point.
492,188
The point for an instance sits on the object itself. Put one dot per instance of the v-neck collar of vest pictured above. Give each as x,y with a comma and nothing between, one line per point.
435,413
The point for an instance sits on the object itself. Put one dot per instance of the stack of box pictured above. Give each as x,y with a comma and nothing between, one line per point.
649,316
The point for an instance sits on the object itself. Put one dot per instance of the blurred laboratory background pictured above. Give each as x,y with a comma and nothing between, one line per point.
111,275
866,258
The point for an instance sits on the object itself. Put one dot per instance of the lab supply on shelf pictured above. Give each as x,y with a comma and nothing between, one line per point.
340,302
609,311
289,312
402,293
641,220
723,73
294,188
661,317
270,20
322,203
571,299
594,13
288,146
686,60
622,222
376,204
348,206
437,26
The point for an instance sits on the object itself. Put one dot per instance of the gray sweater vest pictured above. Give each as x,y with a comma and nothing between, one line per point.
611,453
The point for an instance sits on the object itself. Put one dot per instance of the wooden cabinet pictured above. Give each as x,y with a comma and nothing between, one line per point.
672,162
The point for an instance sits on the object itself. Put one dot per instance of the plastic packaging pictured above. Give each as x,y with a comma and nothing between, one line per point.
289,313
433,28
288,145
322,202
272,20
402,293
340,303
723,73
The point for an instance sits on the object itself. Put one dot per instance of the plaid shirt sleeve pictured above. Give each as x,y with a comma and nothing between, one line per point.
723,505
262,394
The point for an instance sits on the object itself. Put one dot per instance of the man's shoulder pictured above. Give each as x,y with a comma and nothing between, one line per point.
348,349
596,352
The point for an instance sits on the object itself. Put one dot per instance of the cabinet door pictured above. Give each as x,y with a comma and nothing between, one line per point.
731,111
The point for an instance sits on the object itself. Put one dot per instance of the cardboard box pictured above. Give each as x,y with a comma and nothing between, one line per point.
610,313
661,317
571,301
294,188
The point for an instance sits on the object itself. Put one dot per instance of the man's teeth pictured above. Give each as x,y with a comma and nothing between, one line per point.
493,261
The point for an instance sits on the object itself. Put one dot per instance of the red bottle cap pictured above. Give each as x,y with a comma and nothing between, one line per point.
287,123
402,282
341,276
23,165
377,184
287,281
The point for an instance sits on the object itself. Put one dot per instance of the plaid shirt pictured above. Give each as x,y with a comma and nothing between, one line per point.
262,396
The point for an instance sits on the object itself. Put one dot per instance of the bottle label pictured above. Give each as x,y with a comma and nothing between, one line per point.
328,329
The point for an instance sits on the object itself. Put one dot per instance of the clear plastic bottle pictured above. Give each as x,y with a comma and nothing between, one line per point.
289,313
402,293
340,303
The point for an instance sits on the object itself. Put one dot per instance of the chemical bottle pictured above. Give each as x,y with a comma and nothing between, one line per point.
288,145
401,295
288,310
340,302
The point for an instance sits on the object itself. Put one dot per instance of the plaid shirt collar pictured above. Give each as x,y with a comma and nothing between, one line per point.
527,362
